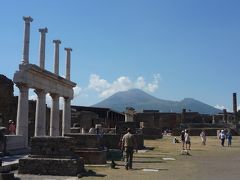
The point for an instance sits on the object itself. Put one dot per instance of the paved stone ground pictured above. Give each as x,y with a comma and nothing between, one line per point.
204,162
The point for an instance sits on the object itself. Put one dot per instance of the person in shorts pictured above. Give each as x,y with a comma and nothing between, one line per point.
182,136
187,140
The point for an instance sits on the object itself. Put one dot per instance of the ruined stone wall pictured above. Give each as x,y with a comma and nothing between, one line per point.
8,103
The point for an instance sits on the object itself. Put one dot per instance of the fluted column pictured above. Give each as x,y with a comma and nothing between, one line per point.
42,47
54,117
66,121
26,42
22,113
68,62
40,116
56,56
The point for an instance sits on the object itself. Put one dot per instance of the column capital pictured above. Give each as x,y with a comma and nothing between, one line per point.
57,41
68,98
54,95
68,49
43,30
40,91
22,86
27,19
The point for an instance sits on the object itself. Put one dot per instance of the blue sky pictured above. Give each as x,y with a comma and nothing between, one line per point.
171,49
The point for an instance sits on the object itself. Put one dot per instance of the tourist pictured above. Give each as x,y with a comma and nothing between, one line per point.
229,138
203,137
222,137
175,140
128,144
11,127
92,130
187,140
182,136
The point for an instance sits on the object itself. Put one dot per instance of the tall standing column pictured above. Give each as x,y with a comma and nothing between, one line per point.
56,56
66,121
54,117
22,113
235,108
68,62
40,116
26,42
42,47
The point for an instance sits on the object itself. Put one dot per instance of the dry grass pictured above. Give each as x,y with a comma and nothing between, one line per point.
205,162
184,166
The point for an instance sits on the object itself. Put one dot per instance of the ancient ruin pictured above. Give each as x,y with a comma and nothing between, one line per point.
43,81
53,154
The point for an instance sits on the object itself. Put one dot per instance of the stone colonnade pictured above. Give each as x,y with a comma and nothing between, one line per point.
43,81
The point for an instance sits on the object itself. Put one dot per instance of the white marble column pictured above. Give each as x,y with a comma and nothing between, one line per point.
68,62
42,47
22,113
56,56
40,116
66,118
26,42
54,117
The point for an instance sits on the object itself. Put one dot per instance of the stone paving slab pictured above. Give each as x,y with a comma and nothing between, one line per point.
9,160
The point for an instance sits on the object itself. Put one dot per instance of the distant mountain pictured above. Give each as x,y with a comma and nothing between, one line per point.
140,100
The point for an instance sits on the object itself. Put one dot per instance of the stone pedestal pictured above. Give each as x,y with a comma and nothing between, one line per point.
51,156
89,146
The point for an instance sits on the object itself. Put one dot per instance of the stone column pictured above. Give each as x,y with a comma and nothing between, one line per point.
26,42
22,113
40,116
66,121
42,47
68,62
54,117
56,56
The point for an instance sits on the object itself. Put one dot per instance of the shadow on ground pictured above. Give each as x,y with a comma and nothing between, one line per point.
91,173
149,162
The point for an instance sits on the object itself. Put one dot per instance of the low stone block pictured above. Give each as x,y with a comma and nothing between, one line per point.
92,155
50,166
52,147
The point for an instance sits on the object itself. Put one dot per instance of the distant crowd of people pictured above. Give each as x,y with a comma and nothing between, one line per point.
224,135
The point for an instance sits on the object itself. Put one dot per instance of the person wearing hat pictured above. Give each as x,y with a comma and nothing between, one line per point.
11,127
222,137
128,145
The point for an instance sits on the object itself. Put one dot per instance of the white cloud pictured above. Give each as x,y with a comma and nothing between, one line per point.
140,83
219,107
77,90
123,83
96,83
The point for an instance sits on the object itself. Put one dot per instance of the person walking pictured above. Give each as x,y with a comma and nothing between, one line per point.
229,138
187,140
222,137
128,145
203,137
182,136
